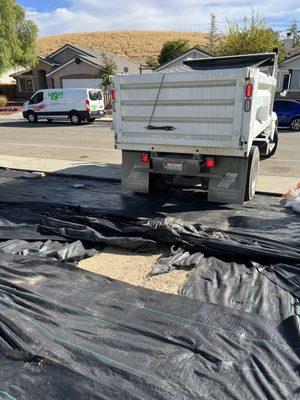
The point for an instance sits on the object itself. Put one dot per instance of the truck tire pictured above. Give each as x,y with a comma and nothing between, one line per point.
275,141
32,118
75,118
157,183
90,120
252,174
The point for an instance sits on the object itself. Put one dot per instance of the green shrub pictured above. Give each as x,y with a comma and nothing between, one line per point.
3,101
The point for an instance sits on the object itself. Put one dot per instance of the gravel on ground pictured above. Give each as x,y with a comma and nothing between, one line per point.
133,268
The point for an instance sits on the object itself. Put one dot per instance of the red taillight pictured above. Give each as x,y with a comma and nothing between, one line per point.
87,105
145,158
113,94
209,162
249,90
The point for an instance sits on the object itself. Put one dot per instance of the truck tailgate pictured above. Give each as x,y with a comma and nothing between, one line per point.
204,108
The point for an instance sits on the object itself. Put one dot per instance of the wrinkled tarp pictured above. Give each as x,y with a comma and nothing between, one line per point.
262,218
69,334
60,251
41,221
239,286
262,231
269,290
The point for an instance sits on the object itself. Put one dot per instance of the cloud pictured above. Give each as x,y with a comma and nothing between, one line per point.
93,15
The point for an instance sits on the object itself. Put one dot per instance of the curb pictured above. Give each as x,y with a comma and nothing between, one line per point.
107,179
100,178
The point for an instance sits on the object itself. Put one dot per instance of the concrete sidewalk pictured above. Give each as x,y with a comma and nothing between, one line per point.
62,167
266,183
14,116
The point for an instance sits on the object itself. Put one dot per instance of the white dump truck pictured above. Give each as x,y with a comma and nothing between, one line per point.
207,124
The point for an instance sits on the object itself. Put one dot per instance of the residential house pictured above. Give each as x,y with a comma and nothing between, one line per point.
68,67
289,76
177,63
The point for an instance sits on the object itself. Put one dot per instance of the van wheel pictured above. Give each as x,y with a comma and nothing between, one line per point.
91,120
75,119
252,174
32,118
49,120
275,142
295,124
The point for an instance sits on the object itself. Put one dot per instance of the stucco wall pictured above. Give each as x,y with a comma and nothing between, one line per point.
41,66
73,70
66,55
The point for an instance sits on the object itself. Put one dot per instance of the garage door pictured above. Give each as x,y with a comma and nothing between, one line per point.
81,83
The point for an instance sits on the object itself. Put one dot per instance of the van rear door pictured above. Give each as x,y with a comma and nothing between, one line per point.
96,101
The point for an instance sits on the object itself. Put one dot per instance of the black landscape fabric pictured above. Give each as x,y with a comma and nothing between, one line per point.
69,334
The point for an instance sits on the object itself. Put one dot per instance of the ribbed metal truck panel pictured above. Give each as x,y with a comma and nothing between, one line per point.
206,110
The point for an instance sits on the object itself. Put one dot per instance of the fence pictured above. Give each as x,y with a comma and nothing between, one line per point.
106,99
9,90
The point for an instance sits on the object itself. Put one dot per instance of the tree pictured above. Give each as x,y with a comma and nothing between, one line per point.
172,49
294,33
212,36
17,37
107,68
254,36
152,62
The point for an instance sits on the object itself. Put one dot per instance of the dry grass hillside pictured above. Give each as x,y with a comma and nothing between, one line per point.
138,45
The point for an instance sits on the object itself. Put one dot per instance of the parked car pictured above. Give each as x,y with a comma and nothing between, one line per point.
288,113
74,104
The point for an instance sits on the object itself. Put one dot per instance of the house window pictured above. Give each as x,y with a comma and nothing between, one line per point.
26,85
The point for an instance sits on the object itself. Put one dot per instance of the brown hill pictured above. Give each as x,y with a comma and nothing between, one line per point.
137,45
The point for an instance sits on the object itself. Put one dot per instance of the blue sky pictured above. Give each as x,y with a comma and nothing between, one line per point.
41,6
66,16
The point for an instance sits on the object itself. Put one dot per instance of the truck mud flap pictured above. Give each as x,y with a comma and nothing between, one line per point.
230,187
135,174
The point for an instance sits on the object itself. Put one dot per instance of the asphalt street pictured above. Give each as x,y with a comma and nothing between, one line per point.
94,143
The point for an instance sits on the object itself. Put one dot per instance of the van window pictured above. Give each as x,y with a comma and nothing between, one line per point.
37,98
95,95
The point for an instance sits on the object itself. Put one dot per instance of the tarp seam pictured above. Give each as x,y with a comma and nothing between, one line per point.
101,356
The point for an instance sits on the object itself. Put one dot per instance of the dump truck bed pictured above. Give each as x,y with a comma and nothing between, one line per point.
204,111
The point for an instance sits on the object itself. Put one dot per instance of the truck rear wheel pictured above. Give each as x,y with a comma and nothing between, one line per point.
252,174
157,183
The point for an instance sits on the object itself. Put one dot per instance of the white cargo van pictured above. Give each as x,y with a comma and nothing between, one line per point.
206,125
74,104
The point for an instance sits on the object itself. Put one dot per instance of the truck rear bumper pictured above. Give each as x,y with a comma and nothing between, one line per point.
225,181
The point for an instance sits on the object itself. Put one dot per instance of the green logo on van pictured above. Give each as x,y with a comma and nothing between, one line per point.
94,107
56,95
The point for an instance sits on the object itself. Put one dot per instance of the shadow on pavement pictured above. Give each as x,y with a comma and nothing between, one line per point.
98,171
45,124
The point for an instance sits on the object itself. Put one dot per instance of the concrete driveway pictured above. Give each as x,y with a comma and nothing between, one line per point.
88,149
